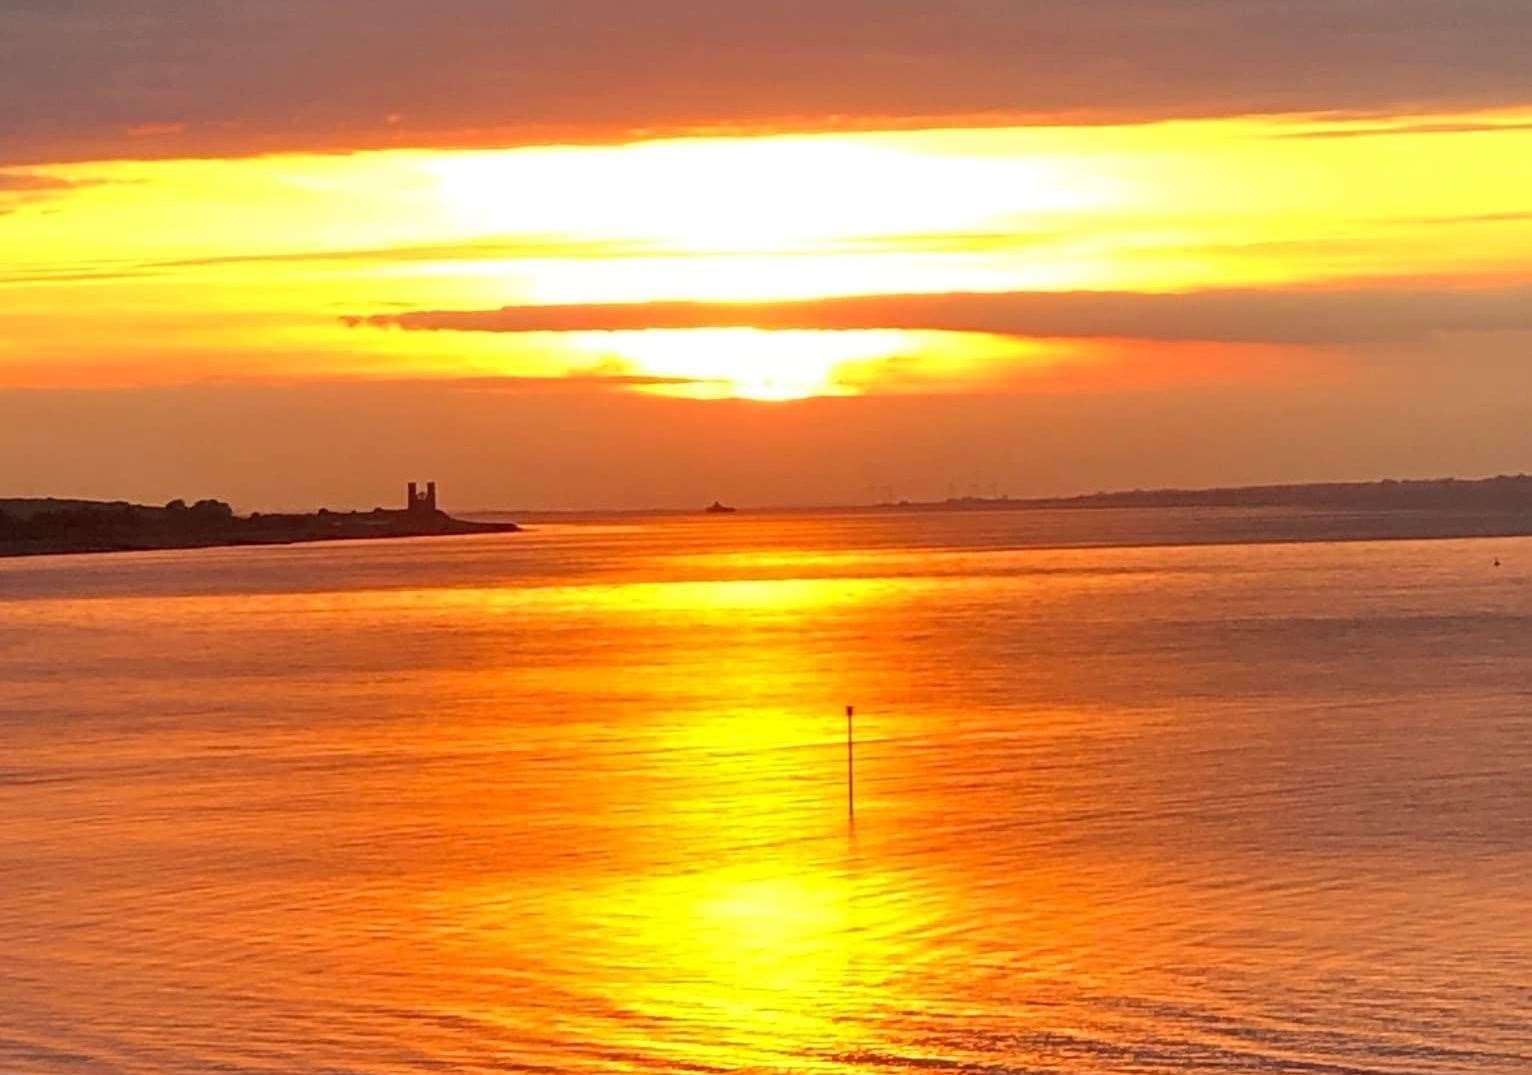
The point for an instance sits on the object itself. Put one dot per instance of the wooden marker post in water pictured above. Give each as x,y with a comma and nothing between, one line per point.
850,770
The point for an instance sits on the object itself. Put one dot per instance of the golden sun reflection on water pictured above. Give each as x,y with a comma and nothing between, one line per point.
717,883
772,954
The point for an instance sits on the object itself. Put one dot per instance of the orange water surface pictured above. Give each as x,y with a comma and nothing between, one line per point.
573,800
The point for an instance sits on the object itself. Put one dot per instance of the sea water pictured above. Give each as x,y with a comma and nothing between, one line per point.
1136,791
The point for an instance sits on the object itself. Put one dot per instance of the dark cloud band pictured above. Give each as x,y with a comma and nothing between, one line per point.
84,79
1234,316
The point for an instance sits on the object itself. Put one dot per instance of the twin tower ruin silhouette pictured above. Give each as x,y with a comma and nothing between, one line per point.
418,503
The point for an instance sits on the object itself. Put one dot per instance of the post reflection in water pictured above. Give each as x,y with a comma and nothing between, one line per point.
575,800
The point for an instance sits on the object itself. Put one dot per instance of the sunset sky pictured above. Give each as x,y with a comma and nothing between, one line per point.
610,253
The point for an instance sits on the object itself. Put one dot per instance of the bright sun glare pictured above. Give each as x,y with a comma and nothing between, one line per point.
704,196
743,363
745,212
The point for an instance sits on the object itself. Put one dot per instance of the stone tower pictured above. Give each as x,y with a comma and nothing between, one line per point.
418,503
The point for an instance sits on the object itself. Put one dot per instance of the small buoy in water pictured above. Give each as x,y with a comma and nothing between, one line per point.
1497,561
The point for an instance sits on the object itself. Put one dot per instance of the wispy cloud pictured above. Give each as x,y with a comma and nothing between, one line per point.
31,182
1467,218
526,247
521,248
1314,317
1411,129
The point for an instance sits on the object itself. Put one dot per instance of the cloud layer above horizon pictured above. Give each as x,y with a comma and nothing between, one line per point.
96,79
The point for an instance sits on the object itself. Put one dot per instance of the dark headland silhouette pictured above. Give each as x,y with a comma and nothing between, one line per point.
42,526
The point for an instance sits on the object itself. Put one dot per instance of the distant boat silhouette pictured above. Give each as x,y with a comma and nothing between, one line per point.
717,508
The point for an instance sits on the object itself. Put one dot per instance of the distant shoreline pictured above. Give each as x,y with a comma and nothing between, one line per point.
52,527
1503,494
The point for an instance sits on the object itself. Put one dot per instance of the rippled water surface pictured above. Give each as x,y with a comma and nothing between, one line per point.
574,800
